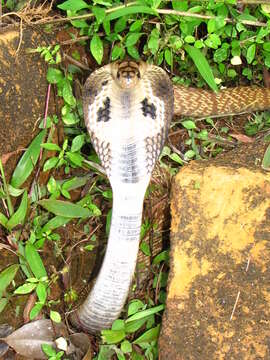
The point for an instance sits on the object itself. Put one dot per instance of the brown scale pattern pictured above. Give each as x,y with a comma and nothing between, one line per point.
202,103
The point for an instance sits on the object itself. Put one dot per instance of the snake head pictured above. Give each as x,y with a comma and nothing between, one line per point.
127,73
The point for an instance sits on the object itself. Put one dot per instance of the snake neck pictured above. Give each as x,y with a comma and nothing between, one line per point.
107,298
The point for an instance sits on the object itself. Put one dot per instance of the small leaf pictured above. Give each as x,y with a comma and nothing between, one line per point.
128,10
51,147
202,65
54,76
64,208
77,142
27,162
189,124
134,306
73,5
34,260
145,313
96,47
251,51
36,309
41,291
55,316
7,275
3,303
113,336
67,93
3,220
19,216
148,336
132,39
126,347
50,163
266,159
99,13
55,223
25,289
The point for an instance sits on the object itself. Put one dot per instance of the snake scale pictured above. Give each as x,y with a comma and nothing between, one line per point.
128,107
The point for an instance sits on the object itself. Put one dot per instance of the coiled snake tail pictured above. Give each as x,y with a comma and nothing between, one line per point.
127,108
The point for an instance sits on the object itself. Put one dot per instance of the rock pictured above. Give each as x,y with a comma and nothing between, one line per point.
218,301
23,89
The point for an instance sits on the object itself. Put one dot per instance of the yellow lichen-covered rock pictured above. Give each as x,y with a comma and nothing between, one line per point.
218,303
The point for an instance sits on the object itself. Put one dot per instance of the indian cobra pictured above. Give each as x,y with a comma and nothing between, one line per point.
128,107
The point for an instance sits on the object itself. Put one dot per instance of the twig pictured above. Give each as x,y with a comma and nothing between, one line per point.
95,166
235,304
21,36
72,41
76,62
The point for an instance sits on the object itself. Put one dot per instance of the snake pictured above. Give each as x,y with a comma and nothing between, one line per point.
128,107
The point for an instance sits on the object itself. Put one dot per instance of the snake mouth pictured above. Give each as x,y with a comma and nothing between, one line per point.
127,73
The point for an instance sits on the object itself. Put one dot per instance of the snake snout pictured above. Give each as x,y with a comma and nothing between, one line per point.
128,74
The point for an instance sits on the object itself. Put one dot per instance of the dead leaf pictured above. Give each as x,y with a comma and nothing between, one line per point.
242,138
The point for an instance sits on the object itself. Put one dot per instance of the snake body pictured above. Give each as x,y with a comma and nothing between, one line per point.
127,108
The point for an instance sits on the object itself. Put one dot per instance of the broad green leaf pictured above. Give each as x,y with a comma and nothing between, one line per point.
25,289
54,76
7,275
135,325
75,158
163,256
51,146
99,13
41,291
55,316
14,191
19,216
113,336
55,223
148,336
77,142
67,93
134,306
73,5
64,208
132,39
96,47
34,260
133,52
251,51
142,314
126,347
189,124
120,25
137,9
3,220
202,65
3,303
50,163
117,52
27,162
48,350
266,159
35,310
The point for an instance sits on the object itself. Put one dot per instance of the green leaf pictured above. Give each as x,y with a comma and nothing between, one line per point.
96,47
126,347
99,13
168,56
117,52
134,306
35,310
133,52
202,65
148,336
7,275
145,248
266,159
25,289
132,39
145,313
27,162
120,24
128,10
113,336
189,124
41,291
73,5
64,208
67,94
19,216
14,191
77,142
251,51
55,316
75,158
54,76
51,147
48,350
50,163
3,303
3,220
163,256
55,223
34,260
135,325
